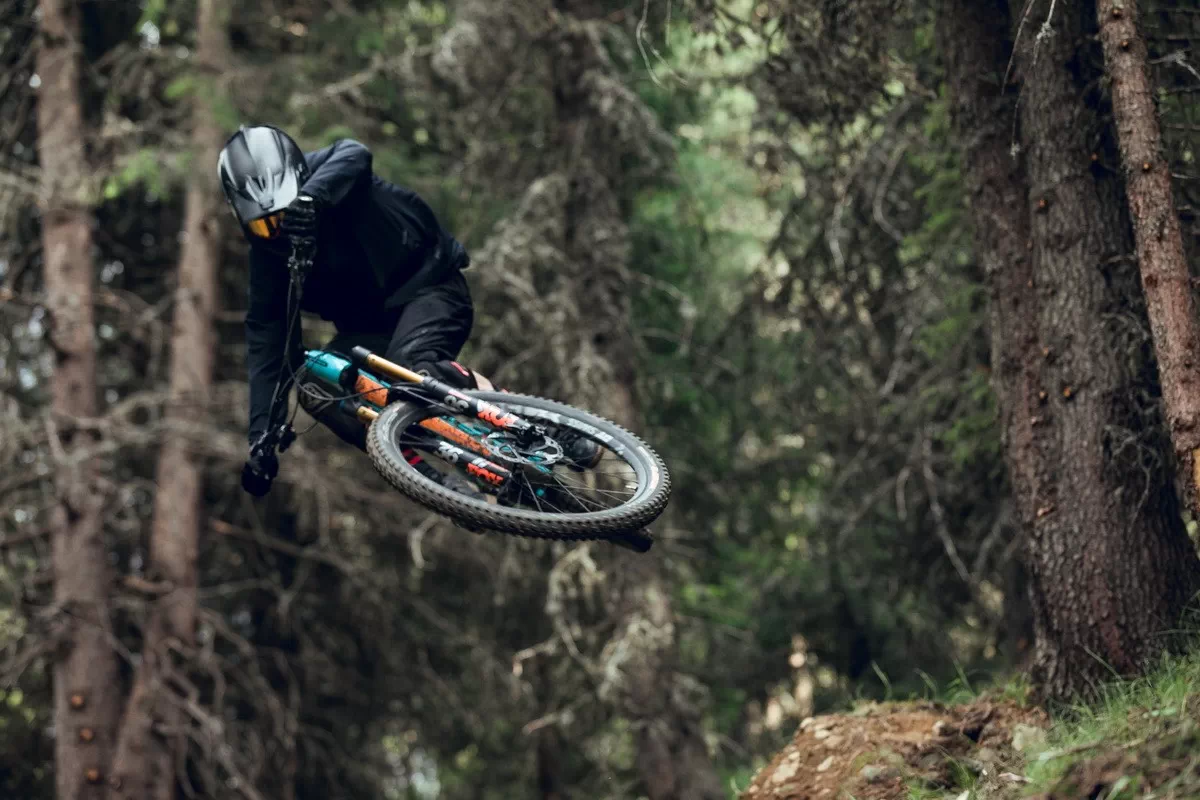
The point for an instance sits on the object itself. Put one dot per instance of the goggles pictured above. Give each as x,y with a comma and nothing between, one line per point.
266,227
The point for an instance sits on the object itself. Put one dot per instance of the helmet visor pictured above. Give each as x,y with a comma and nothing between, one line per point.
266,227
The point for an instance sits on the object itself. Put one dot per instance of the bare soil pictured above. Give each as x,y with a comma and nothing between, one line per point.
879,751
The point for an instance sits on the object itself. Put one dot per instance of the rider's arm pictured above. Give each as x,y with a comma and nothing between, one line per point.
266,333
336,170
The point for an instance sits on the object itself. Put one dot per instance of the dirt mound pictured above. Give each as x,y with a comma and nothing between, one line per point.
875,753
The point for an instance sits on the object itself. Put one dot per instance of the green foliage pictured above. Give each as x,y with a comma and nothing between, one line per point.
737,779
181,87
1160,707
145,169
1135,738
25,750
811,346
152,12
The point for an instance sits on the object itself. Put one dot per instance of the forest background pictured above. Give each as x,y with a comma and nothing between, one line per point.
890,284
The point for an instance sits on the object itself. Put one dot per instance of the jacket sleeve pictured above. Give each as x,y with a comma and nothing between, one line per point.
336,170
266,335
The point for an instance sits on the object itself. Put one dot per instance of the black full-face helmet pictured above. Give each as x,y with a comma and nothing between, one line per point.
261,170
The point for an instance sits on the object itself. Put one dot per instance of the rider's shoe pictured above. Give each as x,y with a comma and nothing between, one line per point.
581,453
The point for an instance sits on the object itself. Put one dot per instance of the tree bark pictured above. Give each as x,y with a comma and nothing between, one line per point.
147,762
1164,268
974,38
1111,566
86,694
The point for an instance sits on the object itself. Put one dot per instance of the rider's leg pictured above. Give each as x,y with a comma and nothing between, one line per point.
429,333
431,330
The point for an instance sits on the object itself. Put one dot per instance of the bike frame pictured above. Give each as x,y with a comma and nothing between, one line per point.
359,377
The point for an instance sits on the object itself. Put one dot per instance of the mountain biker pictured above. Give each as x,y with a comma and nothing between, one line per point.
384,272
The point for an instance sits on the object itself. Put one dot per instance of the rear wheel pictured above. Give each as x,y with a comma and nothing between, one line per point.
626,488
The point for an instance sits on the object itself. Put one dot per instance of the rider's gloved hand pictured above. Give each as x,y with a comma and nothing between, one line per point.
300,219
258,473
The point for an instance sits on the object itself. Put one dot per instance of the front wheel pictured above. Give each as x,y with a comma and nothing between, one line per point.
621,492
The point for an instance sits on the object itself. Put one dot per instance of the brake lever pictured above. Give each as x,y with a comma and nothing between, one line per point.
278,440
287,435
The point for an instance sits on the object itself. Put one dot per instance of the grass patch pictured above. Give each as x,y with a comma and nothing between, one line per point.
1126,716
1135,740
959,690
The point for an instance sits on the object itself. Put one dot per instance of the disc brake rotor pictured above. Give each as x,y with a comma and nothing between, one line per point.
545,452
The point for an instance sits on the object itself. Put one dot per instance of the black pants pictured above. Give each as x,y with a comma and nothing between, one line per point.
425,335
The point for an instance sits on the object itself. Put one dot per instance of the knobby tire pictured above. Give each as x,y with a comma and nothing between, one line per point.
623,524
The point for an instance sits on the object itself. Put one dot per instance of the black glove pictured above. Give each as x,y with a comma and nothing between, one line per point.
258,473
300,220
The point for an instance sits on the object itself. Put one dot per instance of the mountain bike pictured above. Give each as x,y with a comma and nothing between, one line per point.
498,458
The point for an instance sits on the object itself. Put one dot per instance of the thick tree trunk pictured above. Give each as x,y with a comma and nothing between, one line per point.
146,762
1111,566
974,37
86,688
1164,268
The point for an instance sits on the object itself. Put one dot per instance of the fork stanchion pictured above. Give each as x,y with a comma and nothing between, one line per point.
368,359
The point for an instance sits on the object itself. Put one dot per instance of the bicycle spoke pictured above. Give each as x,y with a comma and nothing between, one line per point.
582,500
539,501
624,493
536,501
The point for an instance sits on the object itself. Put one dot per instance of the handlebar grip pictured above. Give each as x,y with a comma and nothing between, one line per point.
260,444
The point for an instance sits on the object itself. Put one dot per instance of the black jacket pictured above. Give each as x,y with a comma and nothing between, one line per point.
376,245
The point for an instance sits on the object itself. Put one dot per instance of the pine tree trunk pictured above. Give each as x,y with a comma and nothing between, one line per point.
1164,268
1111,566
974,36
146,762
86,686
